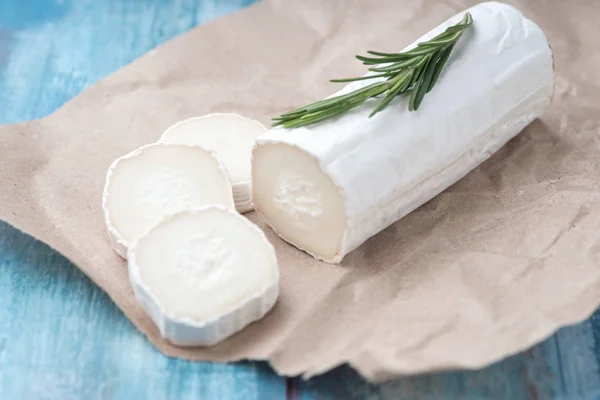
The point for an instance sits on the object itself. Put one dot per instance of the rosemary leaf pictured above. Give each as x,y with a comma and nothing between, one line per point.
396,66
360,78
426,80
439,66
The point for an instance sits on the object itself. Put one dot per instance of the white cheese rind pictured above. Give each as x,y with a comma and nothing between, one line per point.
231,136
118,239
499,79
186,330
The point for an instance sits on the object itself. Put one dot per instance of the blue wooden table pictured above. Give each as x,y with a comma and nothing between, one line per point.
62,338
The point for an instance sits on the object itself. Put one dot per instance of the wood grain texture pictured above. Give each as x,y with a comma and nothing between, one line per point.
62,338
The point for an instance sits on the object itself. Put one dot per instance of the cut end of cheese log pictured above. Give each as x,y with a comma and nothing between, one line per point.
157,180
204,274
299,200
328,187
231,136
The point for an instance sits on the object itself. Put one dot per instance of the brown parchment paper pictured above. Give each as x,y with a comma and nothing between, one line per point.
491,266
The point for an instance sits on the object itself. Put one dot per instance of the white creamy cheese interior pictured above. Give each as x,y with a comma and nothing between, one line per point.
231,136
157,180
199,266
300,201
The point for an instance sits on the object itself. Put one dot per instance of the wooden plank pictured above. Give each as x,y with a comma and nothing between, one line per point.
61,337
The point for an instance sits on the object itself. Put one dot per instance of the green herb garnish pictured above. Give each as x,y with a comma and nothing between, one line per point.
415,71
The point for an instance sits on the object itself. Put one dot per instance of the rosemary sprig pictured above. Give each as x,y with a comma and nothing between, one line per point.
415,71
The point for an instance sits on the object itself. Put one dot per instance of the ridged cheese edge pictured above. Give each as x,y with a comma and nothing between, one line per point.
188,332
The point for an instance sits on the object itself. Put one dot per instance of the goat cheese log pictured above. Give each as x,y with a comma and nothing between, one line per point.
329,187
203,274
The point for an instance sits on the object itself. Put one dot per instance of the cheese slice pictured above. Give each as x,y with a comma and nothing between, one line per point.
327,188
156,180
204,274
231,136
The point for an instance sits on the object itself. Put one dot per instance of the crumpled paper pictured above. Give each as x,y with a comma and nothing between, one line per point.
491,266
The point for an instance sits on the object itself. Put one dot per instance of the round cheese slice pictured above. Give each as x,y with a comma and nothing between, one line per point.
157,180
232,137
204,274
